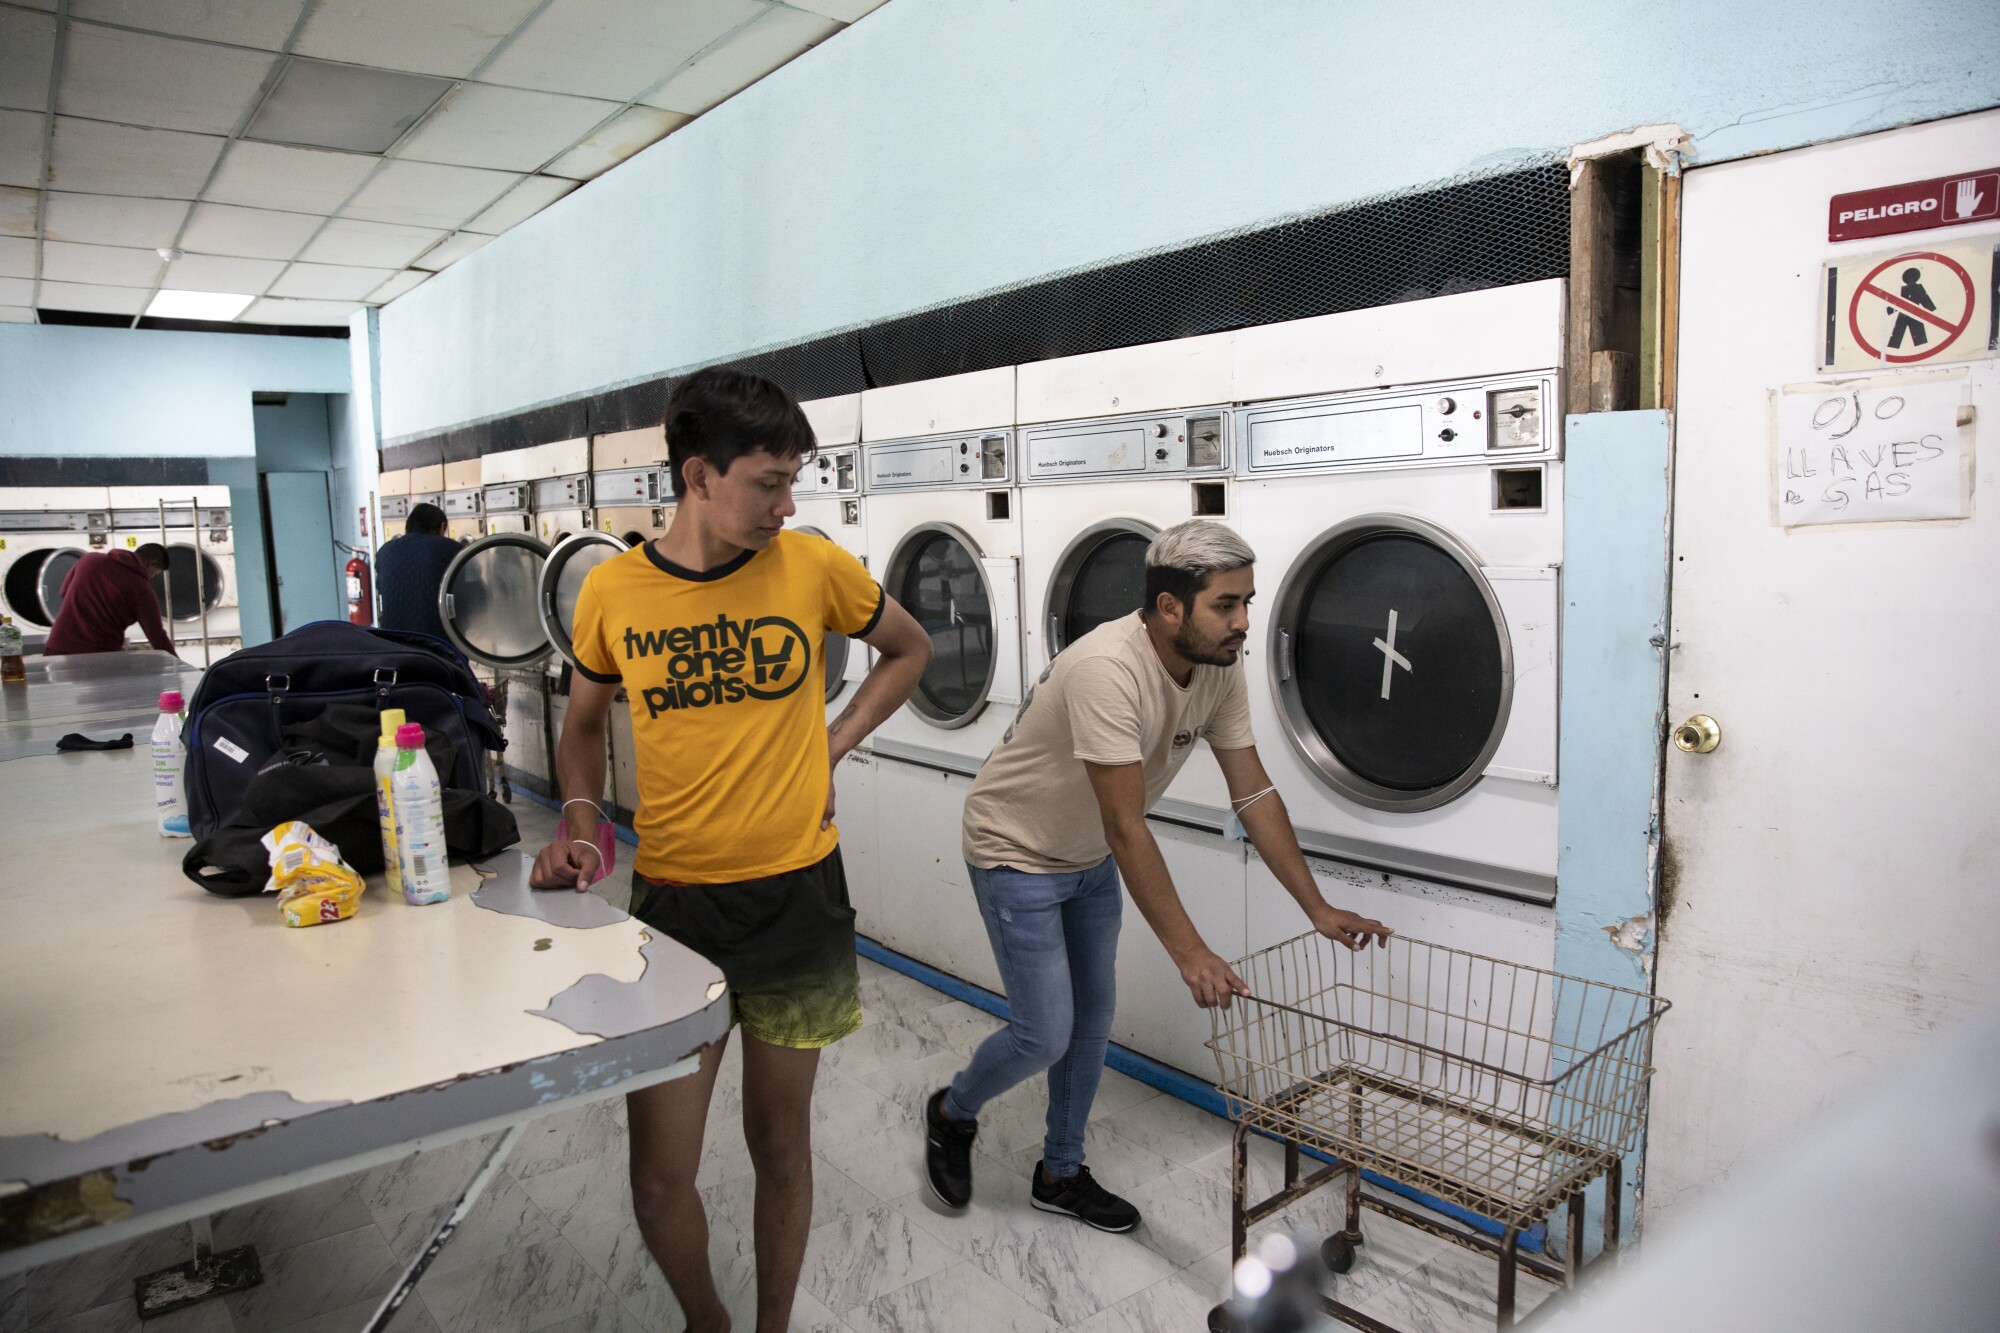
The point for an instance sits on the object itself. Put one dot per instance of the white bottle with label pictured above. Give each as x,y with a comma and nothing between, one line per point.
418,802
385,810
169,759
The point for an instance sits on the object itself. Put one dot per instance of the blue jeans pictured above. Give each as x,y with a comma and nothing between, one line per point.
1056,940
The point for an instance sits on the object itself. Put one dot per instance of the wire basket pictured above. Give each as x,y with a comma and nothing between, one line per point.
1494,1086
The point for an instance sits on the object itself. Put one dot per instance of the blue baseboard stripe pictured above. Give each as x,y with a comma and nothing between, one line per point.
1166,1078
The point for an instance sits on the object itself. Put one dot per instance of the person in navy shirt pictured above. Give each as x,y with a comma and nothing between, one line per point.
410,569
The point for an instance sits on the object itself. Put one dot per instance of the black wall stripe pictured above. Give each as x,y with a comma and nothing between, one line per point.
33,471
1491,232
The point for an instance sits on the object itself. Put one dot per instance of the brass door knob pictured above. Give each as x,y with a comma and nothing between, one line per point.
1698,735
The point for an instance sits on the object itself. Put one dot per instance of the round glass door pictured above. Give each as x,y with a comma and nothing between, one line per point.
190,592
54,570
936,575
562,580
488,601
1395,674
835,647
1101,576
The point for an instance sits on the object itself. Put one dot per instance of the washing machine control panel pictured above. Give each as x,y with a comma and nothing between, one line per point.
830,472
1192,442
629,486
982,459
1460,422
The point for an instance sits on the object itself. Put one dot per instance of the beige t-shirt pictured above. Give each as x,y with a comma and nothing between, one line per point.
1106,699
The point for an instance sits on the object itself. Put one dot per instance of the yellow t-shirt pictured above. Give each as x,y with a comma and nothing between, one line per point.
723,673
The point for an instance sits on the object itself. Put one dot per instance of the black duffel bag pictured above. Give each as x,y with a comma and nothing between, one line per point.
323,774
246,704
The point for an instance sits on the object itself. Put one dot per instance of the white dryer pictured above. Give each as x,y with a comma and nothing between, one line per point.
944,538
44,531
1409,549
829,504
198,592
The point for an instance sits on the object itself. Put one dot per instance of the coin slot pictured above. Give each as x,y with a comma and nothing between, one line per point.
1518,490
1210,499
999,506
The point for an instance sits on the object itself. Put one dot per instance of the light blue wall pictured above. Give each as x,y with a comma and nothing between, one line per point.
1614,676
143,393
941,148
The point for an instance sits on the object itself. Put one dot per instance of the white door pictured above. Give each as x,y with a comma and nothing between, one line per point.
1831,873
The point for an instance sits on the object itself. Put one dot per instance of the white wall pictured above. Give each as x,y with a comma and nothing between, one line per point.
941,148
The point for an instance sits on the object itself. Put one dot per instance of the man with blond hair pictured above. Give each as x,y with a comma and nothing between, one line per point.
1058,814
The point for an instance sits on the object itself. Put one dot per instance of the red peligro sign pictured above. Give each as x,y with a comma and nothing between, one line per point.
1945,201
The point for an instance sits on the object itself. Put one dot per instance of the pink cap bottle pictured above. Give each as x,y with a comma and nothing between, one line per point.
171,702
410,736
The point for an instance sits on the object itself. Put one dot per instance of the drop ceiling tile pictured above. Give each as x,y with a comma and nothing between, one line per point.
319,105
97,300
17,257
257,23
745,58
269,311
396,286
845,10
17,210
369,244
17,291
519,204
14,314
426,194
222,273
161,82
448,37
109,219
106,265
613,48
20,148
509,129
95,158
27,54
257,233
450,250
638,127
299,180
330,282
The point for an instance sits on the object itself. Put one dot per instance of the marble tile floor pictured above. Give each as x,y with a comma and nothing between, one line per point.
551,1245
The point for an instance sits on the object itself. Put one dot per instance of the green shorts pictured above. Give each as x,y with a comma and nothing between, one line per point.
785,944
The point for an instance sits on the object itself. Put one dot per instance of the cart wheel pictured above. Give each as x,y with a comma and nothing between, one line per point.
1218,1320
1337,1254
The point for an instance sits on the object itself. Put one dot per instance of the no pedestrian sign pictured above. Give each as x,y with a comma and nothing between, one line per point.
1945,201
1926,305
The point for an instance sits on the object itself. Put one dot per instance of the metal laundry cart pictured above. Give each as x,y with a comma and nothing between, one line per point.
1502,1089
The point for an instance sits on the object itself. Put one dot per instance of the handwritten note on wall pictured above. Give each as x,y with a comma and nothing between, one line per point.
1882,452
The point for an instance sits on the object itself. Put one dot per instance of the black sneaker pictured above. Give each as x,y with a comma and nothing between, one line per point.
948,1153
1085,1200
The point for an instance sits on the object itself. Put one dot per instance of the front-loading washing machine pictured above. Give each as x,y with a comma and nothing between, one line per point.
1410,549
198,591
944,539
44,531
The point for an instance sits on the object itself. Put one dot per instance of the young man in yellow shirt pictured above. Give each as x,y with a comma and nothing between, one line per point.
715,633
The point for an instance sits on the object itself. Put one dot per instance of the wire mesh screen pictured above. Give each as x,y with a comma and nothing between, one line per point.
1492,1085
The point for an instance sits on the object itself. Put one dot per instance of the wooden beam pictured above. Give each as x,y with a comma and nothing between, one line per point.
1592,271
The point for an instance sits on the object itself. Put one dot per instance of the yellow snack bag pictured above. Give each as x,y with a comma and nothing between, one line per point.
312,883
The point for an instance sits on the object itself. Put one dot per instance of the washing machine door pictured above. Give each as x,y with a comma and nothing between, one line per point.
55,569
1394,670
1101,576
835,648
562,580
935,573
487,601
195,577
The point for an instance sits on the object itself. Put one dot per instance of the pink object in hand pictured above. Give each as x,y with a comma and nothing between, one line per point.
607,846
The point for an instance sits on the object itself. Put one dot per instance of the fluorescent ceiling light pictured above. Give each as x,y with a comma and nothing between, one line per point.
198,305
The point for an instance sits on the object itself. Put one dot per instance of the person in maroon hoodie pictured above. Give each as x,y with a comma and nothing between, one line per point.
105,593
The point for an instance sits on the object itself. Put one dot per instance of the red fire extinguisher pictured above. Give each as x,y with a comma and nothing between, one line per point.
360,603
